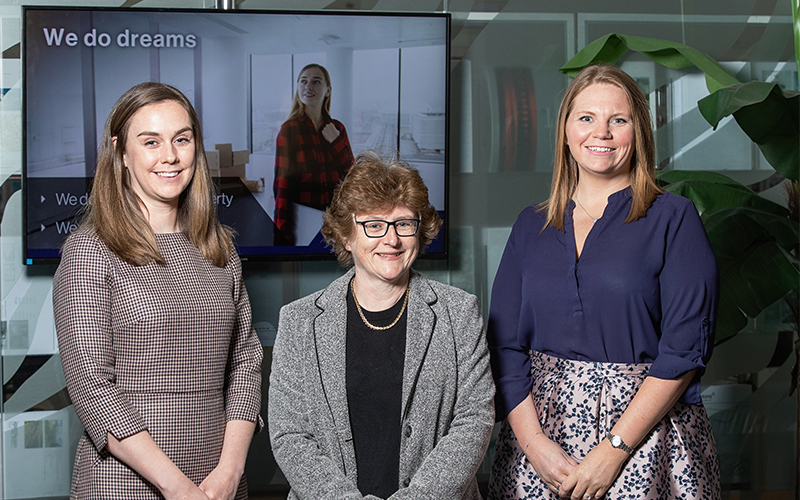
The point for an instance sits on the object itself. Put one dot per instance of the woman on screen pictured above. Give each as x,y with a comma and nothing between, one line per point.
153,320
312,153
380,384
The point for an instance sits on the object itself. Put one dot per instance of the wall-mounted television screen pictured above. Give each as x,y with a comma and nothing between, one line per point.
388,82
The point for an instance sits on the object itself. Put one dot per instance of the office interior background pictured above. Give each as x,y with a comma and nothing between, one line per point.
505,55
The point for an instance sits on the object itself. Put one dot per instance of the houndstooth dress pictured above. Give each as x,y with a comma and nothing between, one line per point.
170,349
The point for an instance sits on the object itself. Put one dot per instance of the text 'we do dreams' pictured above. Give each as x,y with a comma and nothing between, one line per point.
57,36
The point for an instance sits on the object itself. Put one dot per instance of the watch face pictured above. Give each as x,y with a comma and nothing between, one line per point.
616,441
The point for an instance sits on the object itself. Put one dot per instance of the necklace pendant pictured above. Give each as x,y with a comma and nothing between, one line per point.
594,219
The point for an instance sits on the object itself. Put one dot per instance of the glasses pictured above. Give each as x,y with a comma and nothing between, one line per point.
379,228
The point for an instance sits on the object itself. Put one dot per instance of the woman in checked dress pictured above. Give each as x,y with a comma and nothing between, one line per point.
153,320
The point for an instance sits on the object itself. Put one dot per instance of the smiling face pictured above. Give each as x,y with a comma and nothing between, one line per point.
312,87
383,260
600,131
159,154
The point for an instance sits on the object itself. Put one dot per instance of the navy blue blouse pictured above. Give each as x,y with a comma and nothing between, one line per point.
641,292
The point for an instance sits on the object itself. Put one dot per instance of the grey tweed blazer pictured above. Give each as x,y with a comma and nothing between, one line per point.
447,408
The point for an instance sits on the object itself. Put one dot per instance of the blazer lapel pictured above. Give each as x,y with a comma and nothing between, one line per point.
330,338
419,329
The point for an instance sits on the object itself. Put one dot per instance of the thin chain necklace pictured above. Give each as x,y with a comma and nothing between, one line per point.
594,219
364,318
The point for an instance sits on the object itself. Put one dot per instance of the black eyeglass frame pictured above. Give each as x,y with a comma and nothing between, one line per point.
388,224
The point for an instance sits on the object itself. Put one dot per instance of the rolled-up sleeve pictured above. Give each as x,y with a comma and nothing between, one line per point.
509,355
689,286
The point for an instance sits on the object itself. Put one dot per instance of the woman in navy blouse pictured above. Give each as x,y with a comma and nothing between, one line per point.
602,318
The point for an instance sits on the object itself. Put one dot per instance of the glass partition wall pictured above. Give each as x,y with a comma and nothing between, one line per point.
505,91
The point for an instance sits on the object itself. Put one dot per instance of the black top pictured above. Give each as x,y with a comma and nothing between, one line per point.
375,360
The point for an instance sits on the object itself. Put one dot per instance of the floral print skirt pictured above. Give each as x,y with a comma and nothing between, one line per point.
578,404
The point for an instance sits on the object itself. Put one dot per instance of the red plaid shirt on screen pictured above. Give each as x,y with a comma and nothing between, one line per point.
307,169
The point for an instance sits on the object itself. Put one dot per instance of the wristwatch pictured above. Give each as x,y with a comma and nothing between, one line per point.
618,443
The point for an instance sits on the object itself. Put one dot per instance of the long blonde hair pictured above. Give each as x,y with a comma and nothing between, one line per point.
565,169
298,108
114,213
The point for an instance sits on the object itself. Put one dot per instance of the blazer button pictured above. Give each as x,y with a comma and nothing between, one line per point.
407,432
406,482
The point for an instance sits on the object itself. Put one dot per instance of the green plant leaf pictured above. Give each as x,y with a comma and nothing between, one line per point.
752,238
730,319
732,231
609,49
745,289
667,176
770,117
712,192
756,269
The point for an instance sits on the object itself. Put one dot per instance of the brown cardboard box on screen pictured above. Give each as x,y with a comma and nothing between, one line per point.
235,171
212,158
241,157
225,154
254,185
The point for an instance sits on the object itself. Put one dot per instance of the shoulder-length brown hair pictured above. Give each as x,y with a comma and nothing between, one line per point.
298,108
376,184
565,170
114,213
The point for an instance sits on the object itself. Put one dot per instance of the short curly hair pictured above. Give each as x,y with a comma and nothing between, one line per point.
377,184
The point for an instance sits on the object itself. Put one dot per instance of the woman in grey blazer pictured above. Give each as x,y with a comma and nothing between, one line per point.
380,383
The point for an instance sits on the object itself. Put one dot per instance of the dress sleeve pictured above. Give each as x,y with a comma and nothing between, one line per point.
689,284
509,340
440,476
296,443
243,380
282,185
82,304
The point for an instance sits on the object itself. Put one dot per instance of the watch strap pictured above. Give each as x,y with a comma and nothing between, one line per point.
620,444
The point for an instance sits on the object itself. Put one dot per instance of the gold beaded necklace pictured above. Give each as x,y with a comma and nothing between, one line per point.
364,318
